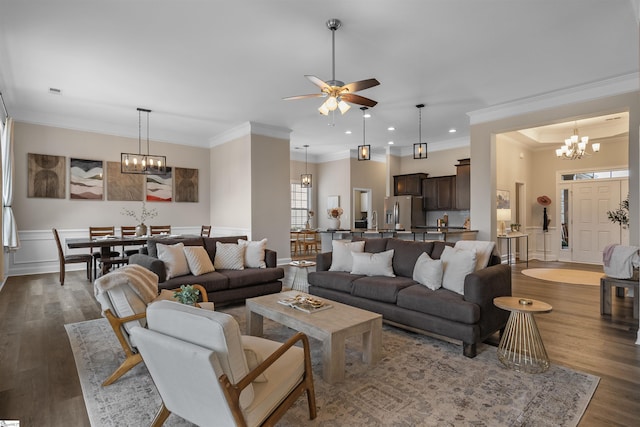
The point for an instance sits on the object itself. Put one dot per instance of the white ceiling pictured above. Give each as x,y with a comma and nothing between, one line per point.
205,67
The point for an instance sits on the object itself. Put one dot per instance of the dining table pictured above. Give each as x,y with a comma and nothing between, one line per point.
105,243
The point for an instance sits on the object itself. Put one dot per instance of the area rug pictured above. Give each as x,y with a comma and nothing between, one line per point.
420,381
575,277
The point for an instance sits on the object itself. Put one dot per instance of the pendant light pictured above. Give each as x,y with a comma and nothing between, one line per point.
142,163
420,148
306,178
364,150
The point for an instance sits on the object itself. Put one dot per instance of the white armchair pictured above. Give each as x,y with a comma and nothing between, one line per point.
210,375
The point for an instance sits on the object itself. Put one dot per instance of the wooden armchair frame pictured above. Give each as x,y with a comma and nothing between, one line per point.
132,357
232,391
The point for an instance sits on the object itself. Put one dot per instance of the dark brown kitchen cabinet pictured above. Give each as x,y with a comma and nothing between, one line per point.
463,184
409,184
439,193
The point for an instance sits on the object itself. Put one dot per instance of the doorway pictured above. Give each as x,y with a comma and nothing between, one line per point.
361,208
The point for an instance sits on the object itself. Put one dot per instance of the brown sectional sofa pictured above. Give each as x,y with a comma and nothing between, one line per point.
470,318
223,286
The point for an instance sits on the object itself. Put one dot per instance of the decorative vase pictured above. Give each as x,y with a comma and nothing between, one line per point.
141,230
334,223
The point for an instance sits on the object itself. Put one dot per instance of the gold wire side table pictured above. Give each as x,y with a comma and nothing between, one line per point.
521,347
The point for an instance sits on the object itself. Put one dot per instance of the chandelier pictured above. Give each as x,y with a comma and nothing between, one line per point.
364,150
575,147
420,148
142,163
306,177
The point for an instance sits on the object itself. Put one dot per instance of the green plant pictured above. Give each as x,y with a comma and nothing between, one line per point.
187,294
620,215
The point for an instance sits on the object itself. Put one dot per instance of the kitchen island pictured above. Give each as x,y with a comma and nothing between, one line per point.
446,234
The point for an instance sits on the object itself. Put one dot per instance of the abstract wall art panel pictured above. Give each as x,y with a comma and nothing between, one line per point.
159,186
186,185
86,179
123,186
46,176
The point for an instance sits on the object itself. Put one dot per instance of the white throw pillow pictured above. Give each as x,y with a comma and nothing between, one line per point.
378,264
198,260
428,272
229,256
456,264
341,259
254,253
174,260
483,249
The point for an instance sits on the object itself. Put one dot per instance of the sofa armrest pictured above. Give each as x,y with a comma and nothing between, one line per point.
270,258
323,261
150,263
482,286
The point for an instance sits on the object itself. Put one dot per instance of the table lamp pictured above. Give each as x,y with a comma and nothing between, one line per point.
502,216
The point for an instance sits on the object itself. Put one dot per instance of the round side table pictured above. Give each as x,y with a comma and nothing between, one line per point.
521,347
300,275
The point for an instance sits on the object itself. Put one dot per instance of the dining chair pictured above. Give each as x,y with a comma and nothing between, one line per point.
128,231
293,239
106,259
70,259
222,385
307,241
160,229
205,231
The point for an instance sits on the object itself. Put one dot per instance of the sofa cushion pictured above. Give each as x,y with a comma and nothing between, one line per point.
441,303
210,243
252,276
229,256
336,280
175,262
456,264
428,272
254,253
379,288
438,247
212,282
406,254
341,260
374,245
484,250
152,243
198,260
373,264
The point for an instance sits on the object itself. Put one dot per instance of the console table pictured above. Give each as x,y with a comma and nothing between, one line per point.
509,238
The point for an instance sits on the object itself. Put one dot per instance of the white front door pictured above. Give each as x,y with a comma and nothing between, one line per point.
591,228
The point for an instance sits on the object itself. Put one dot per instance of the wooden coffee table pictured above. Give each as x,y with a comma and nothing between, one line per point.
331,326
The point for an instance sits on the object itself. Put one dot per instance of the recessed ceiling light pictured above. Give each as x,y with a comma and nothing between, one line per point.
367,115
391,128
348,132
390,142
452,130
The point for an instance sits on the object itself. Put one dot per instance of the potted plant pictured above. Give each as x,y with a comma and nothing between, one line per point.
187,294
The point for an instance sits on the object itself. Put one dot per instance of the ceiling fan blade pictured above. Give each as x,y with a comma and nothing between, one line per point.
313,95
357,99
316,81
361,85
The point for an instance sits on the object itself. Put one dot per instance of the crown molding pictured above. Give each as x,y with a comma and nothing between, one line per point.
590,91
248,128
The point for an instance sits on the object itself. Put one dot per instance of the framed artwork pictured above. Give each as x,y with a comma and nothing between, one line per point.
186,185
502,201
46,176
159,186
86,179
333,202
124,186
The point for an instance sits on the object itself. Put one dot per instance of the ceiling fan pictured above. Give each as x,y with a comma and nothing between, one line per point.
337,93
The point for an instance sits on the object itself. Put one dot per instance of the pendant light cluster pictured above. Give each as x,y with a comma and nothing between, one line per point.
142,163
364,150
306,178
420,148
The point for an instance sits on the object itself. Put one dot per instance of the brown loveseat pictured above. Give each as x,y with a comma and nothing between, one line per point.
470,318
223,286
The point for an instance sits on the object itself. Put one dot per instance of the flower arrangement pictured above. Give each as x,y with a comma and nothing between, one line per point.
620,215
335,212
144,214
309,216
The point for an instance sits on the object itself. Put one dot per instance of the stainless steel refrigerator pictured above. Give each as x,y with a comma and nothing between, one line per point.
404,212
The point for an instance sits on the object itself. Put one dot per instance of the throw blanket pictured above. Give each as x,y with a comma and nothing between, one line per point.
622,260
142,281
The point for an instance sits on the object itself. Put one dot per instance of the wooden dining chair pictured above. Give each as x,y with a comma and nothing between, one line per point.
307,241
70,259
205,231
293,239
160,229
104,259
128,231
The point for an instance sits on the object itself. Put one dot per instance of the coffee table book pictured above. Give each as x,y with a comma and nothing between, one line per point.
300,303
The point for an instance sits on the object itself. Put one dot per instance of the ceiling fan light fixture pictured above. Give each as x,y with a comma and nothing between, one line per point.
343,106
323,109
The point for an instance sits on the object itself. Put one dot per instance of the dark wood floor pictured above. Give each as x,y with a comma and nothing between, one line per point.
39,384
